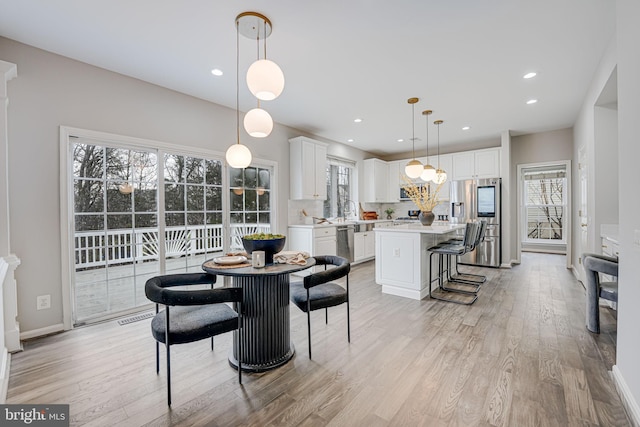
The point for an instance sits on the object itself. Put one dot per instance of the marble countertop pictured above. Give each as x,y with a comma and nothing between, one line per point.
419,228
335,224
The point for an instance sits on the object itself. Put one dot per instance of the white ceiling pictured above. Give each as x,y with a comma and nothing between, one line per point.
350,59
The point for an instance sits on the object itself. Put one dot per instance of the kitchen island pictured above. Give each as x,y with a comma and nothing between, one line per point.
402,260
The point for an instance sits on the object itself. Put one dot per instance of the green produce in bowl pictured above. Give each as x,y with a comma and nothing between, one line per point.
263,236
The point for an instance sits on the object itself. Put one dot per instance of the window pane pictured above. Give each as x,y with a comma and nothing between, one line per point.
117,201
237,218
264,201
89,222
145,198
146,220
264,179
194,170
214,218
195,218
237,199
195,198
264,218
250,200
88,196
118,164
174,219
214,172
116,222
145,167
251,217
235,177
174,197
250,178
214,198
88,161
173,168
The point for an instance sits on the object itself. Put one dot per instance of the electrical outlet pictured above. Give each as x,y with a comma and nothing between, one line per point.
396,252
636,237
43,302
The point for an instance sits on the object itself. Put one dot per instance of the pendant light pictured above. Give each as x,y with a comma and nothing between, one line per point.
428,172
258,123
414,168
264,77
441,175
238,155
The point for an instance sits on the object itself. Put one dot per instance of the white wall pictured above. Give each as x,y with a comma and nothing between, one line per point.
628,349
50,91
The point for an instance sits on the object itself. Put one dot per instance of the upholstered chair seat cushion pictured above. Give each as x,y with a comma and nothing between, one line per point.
320,296
609,291
194,323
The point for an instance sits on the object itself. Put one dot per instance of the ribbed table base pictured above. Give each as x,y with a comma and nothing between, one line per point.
266,342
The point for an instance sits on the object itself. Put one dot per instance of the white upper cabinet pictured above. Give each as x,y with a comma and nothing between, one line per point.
394,183
308,163
476,164
376,181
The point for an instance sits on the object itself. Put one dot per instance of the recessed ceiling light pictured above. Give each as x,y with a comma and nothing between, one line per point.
532,101
466,128
401,140
357,120
349,140
529,75
217,72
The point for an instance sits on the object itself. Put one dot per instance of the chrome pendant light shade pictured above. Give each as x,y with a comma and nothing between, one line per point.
414,168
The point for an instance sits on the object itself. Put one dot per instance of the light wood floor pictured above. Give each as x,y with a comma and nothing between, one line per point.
520,356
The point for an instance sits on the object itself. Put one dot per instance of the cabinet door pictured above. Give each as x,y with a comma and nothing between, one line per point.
369,244
308,176
358,246
320,172
325,246
487,164
376,175
393,185
463,165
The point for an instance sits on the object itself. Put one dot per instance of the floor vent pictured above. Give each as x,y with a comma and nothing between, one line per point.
135,318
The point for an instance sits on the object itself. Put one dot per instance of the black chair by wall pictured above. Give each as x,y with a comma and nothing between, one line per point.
316,292
198,314
594,264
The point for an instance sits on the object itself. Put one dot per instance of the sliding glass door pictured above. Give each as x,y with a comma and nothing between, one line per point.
139,212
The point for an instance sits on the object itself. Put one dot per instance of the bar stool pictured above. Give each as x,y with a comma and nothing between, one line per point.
452,249
468,278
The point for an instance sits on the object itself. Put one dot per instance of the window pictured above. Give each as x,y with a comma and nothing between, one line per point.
544,205
137,211
340,183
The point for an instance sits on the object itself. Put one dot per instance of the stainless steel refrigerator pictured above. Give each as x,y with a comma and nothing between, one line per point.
479,199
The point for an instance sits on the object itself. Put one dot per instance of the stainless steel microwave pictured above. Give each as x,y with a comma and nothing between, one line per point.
403,192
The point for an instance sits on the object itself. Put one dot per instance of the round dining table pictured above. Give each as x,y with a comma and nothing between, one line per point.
266,341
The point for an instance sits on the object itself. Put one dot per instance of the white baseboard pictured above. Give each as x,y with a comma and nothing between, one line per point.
42,331
633,410
4,375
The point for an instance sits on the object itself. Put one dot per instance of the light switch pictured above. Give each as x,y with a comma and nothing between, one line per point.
636,237
396,252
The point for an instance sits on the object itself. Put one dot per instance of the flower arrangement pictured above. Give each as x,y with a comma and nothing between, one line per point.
422,195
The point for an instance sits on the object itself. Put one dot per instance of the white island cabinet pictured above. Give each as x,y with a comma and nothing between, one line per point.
402,260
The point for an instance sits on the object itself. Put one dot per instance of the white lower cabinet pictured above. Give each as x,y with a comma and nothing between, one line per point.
364,246
315,240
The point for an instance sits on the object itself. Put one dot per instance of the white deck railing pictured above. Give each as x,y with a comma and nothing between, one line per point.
99,248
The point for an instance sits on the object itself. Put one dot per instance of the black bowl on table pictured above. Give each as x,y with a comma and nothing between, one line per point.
269,246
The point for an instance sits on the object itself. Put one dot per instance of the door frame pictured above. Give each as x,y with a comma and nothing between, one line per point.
520,201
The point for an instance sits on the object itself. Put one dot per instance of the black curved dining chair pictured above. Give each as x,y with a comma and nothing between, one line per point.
317,291
197,314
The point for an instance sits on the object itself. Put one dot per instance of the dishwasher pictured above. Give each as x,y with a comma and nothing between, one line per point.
344,237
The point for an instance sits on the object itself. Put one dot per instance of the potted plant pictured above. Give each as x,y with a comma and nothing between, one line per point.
424,197
389,212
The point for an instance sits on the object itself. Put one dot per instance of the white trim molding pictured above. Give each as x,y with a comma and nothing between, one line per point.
633,410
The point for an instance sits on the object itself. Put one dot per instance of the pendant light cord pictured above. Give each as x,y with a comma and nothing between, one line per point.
438,145
413,130
237,83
